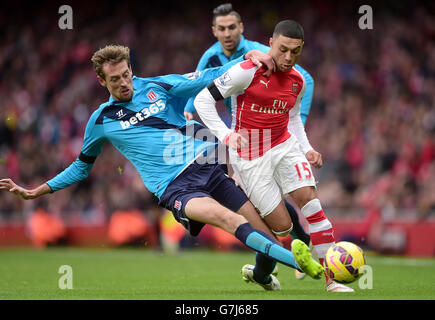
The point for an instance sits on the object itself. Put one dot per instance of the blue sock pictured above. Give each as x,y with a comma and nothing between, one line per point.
263,268
263,243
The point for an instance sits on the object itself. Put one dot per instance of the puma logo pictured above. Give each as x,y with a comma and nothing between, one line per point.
265,83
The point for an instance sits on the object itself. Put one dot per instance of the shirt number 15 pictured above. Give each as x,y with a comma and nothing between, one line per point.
305,168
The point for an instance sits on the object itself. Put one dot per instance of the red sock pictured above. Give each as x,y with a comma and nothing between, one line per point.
327,278
320,229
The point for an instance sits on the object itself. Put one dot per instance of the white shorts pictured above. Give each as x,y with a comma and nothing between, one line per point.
267,179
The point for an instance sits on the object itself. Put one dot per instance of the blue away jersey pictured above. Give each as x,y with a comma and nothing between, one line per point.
215,57
150,130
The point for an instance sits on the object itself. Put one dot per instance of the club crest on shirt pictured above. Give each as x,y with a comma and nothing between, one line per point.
152,96
177,205
295,87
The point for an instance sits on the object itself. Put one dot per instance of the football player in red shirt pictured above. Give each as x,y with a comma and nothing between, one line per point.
269,149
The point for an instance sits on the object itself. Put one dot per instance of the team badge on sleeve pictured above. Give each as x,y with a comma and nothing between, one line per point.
152,96
193,75
224,79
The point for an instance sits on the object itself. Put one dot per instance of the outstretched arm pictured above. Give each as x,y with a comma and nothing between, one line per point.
26,194
190,85
259,58
77,171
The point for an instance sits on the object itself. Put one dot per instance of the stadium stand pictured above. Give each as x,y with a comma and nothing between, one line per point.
373,114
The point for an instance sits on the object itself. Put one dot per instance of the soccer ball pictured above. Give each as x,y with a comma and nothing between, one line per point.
343,262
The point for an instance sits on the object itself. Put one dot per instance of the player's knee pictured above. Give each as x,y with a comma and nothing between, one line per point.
305,197
283,230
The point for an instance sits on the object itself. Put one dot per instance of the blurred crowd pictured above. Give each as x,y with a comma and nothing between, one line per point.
372,118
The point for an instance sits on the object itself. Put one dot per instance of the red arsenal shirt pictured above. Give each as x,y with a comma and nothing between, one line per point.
262,107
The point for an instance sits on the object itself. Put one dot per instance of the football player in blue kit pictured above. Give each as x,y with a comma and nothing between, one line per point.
144,120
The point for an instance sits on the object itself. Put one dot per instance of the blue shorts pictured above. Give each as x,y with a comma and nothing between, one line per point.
201,180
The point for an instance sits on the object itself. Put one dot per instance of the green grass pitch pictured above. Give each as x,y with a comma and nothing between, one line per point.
189,275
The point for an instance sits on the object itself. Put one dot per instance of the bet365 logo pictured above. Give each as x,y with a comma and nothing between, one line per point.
145,113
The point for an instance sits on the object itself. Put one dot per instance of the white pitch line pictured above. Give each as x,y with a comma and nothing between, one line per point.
412,262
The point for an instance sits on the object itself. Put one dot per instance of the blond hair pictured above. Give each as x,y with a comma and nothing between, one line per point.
112,54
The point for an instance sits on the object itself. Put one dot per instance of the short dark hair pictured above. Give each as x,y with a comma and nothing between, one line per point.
289,29
112,54
224,10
